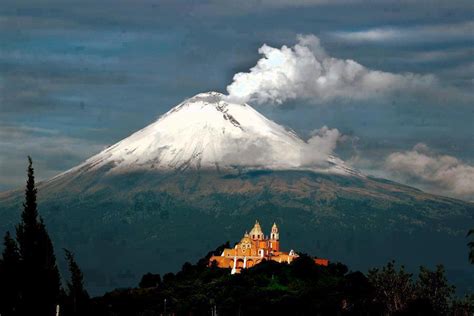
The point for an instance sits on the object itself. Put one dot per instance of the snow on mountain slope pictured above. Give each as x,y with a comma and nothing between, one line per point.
208,132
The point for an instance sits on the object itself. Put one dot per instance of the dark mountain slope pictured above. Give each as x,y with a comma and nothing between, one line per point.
121,226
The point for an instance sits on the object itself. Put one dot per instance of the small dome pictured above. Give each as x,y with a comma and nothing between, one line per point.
245,239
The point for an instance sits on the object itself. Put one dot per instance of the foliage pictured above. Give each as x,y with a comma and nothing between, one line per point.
398,293
150,280
433,287
301,288
394,289
463,307
471,246
77,298
9,277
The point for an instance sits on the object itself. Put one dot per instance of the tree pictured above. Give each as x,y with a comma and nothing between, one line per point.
471,246
359,294
150,280
9,277
40,281
77,298
463,307
433,287
393,289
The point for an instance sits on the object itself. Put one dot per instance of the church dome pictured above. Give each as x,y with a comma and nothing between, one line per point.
256,232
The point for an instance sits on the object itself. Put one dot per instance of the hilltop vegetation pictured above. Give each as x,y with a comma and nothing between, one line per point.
299,288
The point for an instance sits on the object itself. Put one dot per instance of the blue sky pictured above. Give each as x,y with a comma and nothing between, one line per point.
78,76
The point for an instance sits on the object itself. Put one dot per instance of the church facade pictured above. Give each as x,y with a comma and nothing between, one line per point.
255,247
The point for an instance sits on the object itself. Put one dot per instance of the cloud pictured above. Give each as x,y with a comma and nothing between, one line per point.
441,174
252,5
425,33
320,146
439,55
305,71
51,151
313,153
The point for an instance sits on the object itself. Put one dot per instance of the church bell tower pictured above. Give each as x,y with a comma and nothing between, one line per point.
275,238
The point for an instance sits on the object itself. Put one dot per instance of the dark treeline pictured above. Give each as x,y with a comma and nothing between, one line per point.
30,284
299,288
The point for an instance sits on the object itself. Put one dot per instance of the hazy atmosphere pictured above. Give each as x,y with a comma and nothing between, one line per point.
389,83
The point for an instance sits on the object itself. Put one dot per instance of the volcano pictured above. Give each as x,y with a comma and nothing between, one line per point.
207,168
209,132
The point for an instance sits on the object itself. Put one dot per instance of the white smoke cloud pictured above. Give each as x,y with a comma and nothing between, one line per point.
437,173
320,146
313,153
306,71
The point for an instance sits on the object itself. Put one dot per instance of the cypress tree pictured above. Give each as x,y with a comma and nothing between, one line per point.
9,277
40,283
471,246
77,296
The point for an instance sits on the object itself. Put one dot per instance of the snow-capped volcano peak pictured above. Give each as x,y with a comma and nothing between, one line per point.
207,132
206,106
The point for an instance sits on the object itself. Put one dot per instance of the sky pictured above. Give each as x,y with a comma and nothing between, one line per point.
392,79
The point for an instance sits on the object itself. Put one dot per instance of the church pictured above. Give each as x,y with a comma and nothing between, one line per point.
254,248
